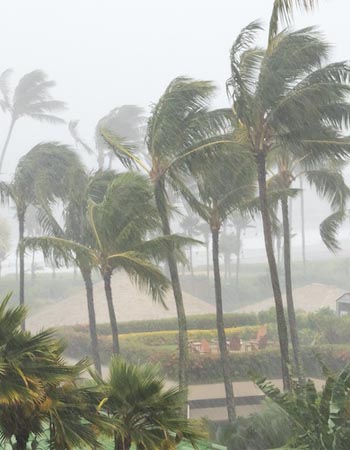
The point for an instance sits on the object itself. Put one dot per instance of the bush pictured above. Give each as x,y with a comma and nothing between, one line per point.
207,368
196,322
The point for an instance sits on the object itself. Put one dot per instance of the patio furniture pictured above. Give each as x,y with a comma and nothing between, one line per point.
260,342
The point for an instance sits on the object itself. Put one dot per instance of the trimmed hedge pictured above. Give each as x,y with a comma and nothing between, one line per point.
197,322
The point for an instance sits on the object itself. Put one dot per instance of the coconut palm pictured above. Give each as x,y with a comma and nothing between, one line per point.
38,390
126,121
180,128
76,228
31,98
287,97
118,227
42,176
147,414
326,177
223,189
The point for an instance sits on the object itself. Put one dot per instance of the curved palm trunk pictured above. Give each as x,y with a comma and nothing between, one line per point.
224,355
4,149
112,317
175,282
289,290
21,216
281,320
86,274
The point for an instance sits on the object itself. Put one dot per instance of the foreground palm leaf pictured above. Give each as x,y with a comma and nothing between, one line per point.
147,414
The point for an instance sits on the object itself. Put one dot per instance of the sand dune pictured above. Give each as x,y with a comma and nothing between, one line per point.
130,304
307,298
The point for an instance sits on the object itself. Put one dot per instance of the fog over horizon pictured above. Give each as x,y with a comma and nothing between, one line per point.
104,54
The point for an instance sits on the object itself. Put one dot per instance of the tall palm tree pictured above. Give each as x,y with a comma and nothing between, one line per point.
327,178
147,414
287,96
42,176
31,98
179,128
223,189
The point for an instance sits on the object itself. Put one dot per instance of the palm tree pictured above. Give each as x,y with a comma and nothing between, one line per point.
147,414
223,189
31,98
287,97
43,175
126,121
180,128
118,227
327,178
39,389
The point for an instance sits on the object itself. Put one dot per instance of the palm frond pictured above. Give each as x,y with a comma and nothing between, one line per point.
143,273
5,102
283,10
329,229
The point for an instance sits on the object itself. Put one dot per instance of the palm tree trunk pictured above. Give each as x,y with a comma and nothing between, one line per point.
281,320
21,216
224,355
21,442
33,267
238,262
4,149
207,256
112,317
175,282
86,274
289,290
302,215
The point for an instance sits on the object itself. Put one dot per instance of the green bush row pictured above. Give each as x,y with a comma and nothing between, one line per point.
196,322
207,369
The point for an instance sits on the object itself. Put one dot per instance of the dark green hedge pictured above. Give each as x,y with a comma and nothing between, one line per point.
207,369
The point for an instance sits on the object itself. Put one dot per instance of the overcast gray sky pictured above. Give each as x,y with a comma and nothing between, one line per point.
105,53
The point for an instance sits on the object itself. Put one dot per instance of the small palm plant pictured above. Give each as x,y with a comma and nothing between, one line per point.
40,395
145,412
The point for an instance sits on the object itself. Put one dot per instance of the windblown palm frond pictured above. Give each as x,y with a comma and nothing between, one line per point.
283,12
5,101
148,415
